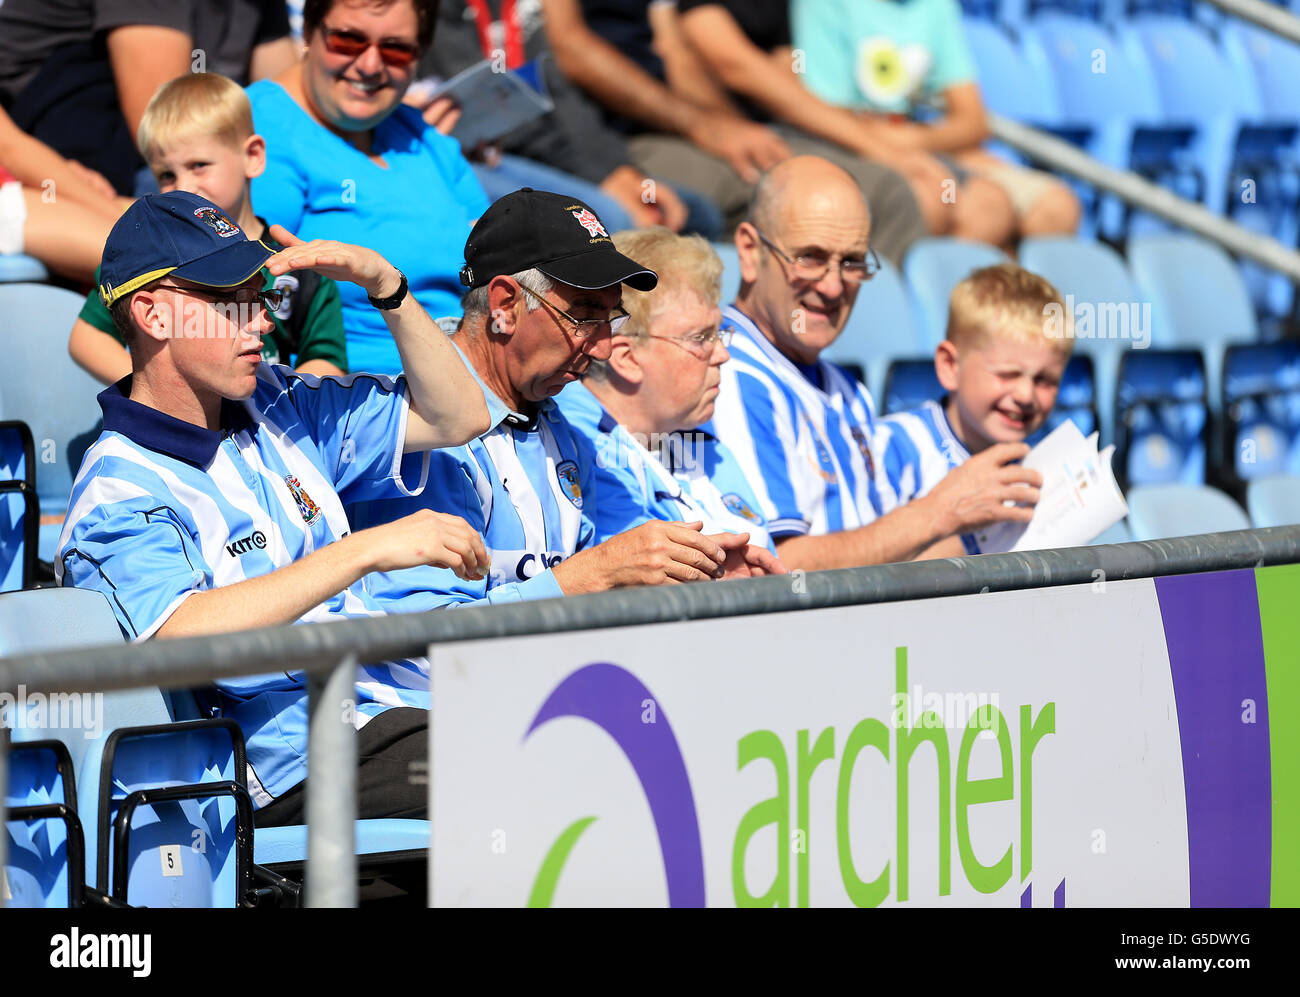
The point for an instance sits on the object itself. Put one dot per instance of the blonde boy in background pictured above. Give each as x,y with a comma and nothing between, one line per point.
197,136
1001,367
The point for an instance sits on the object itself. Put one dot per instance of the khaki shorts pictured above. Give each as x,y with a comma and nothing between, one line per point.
1022,185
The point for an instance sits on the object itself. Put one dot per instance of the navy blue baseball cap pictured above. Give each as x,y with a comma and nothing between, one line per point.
177,234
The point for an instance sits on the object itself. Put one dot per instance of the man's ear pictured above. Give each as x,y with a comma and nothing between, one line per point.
504,298
624,362
748,248
946,364
153,316
254,156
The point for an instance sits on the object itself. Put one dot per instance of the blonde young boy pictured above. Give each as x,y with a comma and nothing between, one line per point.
1001,365
197,136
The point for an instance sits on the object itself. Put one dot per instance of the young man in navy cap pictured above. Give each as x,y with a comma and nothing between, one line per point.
213,499
545,288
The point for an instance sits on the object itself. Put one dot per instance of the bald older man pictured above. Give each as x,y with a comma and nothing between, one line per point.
803,429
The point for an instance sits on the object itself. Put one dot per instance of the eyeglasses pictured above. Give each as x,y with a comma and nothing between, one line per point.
814,266
584,327
699,344
271,298
345,41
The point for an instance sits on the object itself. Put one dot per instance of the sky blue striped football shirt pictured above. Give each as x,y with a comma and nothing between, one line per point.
809,451
162,509
525,485
684,476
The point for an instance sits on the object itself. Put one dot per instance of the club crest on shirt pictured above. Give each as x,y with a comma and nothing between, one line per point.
740,507
818,456
590,222
864,444
567,474
215,219
309,509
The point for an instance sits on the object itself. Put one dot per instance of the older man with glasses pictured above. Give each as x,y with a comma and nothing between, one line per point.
643,407
545,284
803,430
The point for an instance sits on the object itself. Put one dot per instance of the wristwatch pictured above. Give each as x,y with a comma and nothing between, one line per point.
387,304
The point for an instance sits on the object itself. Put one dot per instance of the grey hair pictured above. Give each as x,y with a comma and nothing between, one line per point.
475,301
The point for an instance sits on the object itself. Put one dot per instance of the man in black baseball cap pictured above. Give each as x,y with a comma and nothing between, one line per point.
545,290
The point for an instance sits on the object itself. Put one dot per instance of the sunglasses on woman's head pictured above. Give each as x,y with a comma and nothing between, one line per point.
345,41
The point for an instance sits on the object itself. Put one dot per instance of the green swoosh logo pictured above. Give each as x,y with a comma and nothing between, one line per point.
548,876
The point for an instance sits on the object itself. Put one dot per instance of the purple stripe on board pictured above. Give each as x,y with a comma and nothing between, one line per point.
1216,653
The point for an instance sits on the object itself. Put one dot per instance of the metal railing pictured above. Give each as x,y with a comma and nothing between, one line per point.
1139,192
329,652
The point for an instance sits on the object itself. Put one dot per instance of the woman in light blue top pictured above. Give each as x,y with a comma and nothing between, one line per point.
347,160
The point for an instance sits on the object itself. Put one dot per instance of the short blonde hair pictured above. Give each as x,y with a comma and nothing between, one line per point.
681,261
196,104
1009,301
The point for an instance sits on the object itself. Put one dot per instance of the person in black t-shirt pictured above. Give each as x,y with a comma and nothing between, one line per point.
77,74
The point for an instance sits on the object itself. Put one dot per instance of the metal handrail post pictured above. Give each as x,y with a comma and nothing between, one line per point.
1270,16
332,799
4,814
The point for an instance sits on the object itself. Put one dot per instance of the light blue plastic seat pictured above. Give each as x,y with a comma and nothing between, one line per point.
171,797
1274,501
1261,408
1265,68
19,508
730,270
46,845
1180,510
20,267
909,383
1195,88
1161,418
1198,299
45,389
880,326
1098,289
932,267
1117,534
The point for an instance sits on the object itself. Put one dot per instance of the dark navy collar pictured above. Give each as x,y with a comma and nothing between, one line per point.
165,434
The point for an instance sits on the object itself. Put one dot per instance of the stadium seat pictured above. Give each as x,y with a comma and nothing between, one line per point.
1198,298
1100,90
1180,510
174,820
730,270
45,861
1097,285
49,392
933,266
908,383
19,267
1274,501
1076,401
880,326
1261,409
1266,186
19,509
1161,418
1194,86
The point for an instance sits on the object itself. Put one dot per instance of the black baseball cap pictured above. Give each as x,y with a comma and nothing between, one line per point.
557,234
180,234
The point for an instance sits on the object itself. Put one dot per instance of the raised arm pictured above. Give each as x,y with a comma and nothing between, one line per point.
447,406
